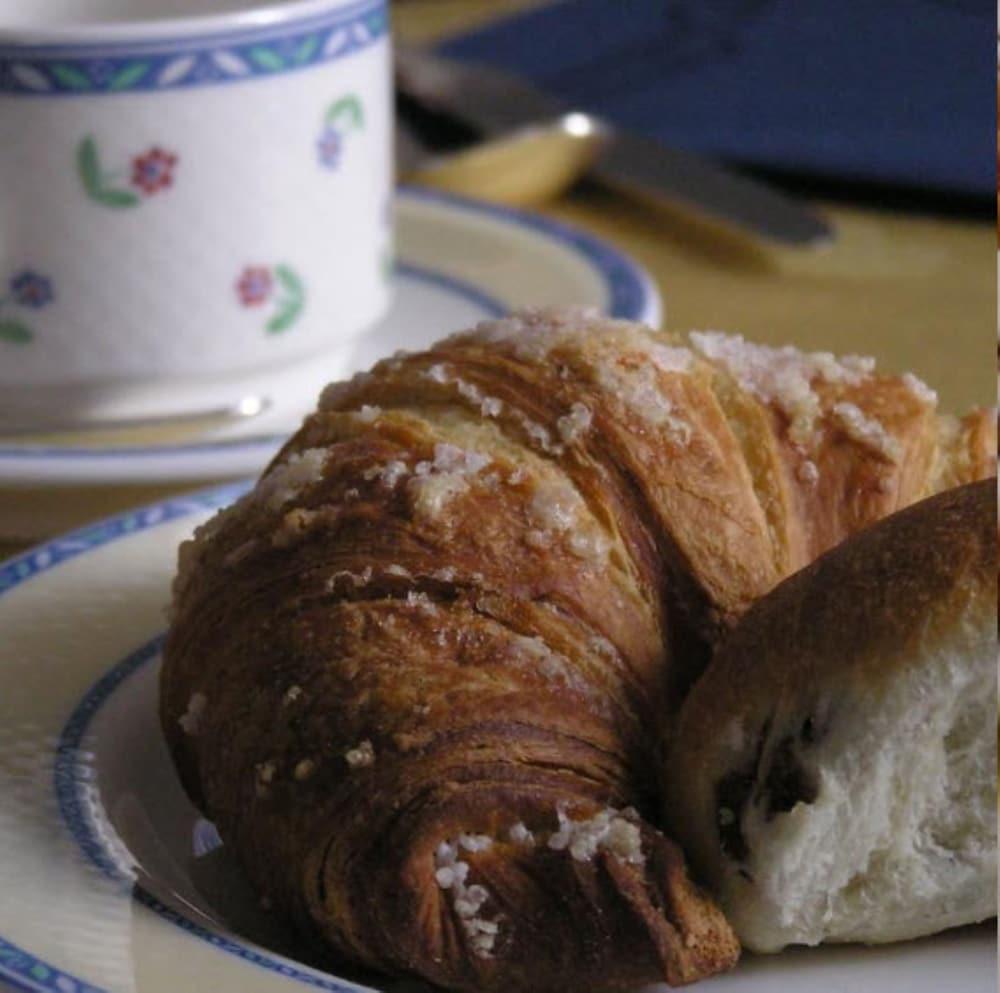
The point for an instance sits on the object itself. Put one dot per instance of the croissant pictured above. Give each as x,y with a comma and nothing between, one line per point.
418,676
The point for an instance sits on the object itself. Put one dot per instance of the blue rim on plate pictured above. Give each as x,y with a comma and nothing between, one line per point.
18,967
632,296
73,779
629,291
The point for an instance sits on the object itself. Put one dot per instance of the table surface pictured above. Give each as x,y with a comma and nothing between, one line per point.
917,291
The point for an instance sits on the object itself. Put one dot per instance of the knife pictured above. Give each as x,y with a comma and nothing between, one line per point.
496,103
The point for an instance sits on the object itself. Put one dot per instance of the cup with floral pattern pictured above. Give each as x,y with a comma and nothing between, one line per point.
191,194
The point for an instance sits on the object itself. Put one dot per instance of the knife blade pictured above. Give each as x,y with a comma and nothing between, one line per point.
496,102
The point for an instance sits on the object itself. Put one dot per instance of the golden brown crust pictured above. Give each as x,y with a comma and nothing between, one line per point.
967,448
858,609
459,602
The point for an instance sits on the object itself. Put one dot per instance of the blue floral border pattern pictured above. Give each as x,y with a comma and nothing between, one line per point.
73,779
261,959
201,60
25,972
23,567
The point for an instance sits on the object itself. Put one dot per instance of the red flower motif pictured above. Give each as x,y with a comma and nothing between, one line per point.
254,286
153,171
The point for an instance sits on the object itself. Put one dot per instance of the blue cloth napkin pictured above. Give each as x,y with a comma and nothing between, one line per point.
898,92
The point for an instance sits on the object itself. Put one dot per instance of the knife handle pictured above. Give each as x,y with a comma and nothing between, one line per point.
695,186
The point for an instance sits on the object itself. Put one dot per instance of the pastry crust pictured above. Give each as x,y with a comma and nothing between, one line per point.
458,605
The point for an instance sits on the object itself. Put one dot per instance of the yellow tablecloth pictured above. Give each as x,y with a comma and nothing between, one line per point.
918,292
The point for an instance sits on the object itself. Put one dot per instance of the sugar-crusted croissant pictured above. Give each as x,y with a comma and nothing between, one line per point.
418,675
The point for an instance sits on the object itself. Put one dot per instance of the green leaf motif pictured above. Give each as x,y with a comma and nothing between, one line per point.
290,309
71,77
89,165
266,58
290,281
347,110
307,49
284,319
128,75
40,972
15,333
116,198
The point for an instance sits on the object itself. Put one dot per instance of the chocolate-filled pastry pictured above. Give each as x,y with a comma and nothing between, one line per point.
418,675
834,774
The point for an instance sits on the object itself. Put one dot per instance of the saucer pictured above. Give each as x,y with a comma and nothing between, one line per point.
111,880
459,261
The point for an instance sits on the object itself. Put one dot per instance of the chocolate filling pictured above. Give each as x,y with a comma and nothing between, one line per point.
809,731
787,783
732,794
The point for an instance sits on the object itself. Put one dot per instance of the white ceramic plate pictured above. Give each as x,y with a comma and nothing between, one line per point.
108,879
459,261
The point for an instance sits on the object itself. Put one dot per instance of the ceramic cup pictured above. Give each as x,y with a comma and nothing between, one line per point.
191,191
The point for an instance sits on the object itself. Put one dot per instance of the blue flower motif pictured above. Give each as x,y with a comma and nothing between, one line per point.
329,146
30,289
